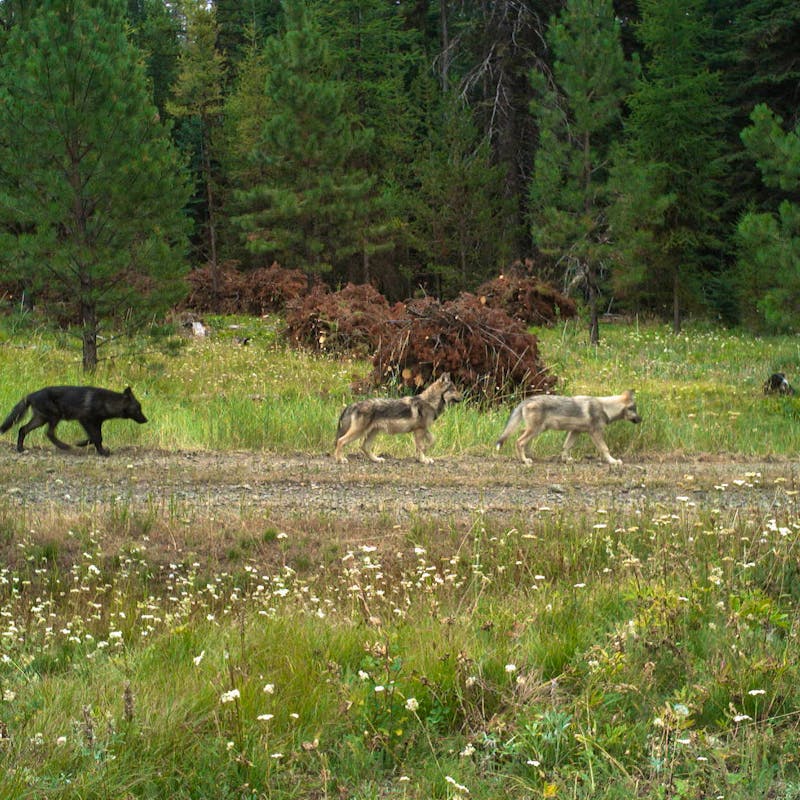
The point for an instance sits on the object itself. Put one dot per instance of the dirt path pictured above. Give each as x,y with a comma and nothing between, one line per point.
456,486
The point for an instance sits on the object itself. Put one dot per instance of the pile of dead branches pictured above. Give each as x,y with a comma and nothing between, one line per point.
486,352
258,291
353,319
527,298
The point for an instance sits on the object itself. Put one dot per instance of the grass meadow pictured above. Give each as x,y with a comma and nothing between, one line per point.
586,653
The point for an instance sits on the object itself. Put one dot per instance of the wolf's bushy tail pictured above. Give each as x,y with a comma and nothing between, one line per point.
15,415
513,423
344,422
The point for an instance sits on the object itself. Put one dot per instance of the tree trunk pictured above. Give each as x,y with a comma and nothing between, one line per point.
594,320
89,335
445,47
365,262
676,304
212,220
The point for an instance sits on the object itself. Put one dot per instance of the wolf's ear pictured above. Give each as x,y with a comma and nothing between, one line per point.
445,376
128,391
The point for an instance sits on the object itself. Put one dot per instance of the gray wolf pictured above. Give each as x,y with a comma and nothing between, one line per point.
580,414
777,384
365,419
85,404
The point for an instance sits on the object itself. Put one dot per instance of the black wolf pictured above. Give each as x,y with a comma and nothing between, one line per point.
85,404
367,418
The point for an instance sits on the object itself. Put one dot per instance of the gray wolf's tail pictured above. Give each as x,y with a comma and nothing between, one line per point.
513,423
344,423
16,414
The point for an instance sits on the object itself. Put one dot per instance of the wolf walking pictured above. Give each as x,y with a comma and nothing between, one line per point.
580,414
365,419
89,406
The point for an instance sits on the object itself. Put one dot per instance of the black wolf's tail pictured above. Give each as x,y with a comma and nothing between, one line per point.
15,415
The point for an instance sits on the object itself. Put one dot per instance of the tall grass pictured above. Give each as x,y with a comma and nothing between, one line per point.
159,651
697,392
576,654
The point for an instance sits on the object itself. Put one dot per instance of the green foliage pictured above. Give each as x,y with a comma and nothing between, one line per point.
577,116
197,97
458,210
155,677
304,209
156,31
769,244
339,150
699,392
673,140
91,195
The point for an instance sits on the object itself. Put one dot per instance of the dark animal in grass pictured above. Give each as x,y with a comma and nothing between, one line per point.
777,384
88,405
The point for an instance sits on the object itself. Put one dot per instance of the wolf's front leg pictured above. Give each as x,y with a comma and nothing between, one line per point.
366,447
423,439
94,432
602,448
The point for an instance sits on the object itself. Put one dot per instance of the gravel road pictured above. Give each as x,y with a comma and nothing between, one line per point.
456,486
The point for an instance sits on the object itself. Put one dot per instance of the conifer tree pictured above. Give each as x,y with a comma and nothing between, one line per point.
156,31
91,193
378,54
458,209
198,97
667,175
769,244
577,115
306,209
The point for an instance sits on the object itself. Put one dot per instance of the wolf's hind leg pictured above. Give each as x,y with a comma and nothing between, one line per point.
569,440
352,433
51,435
366,447
523,444
36,421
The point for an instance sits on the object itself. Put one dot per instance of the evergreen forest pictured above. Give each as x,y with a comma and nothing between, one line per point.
641,155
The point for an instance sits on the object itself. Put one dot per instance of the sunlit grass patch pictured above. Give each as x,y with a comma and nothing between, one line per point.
697,392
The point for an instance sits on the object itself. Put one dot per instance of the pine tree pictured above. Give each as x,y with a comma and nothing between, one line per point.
576,116
672,159
769,244
305,211
198,96
458,209
91,193
379,55
156,31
